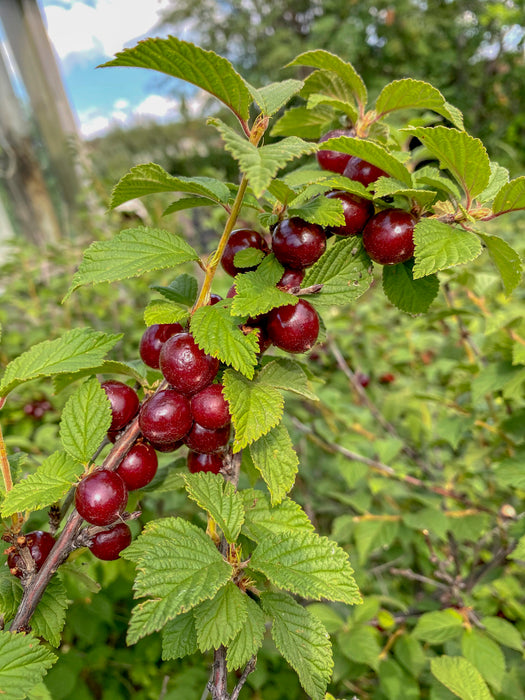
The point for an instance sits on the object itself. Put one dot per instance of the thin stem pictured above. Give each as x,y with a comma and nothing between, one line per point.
250,666
16,518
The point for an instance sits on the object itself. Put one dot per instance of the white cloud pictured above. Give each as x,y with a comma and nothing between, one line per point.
157,106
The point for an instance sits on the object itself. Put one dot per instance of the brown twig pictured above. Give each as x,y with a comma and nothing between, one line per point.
250,666
218,686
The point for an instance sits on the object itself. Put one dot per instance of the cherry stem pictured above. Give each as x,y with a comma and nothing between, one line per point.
16,518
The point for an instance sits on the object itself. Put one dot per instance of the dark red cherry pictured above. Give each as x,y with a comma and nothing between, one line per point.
210,409
39,544
240,240
232,292
124,403
165,417
332,160
388,236
294,328
387,378
201,462
101,497
201,439
361,171
186,367
139,466
153,339
109,544
214,299
363,379
291,279
298,244
356,211
167,446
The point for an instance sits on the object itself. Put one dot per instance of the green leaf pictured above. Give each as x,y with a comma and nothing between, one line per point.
61,381
81,348
372,153
255,407
217,333
324,181
307,564
329,61
499,176
503,632
348,108
485,655
439,246
50,615
179,637
164,311
460,677
414,94
151,178
220,619
303,122
345,272
183,60
435,178
388,187
256,290
462,154
249,638
248,257
511,197
439,626
219,499
272,97
414,296
274,457
260,165
53,478
506,260
187,203
302,640
262,519
178,567
23,664
321,211
183,290
85,421
360,644
324,87
284,373
131,253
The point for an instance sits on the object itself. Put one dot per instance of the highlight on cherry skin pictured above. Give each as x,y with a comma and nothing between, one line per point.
101,497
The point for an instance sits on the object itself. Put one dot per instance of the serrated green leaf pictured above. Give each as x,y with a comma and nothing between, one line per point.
329,61
260,165
164,311
187,203
511,197
414,94
183,290
249,638
274,457
256,290
131,253
435,178
499,176
81,348
371,152
248,257
23,664
302,640
321,211
255,408
485,655
128,369
324,87
50,615
179,637
183,60
414,296
219,499
53,478
307,564
262,519
438,626
388,187
506,260
439,246
460,677
287,374
10,594
503,632
272,97
463,155
347,108
178,567
303,122
85,421
220,619
345,272
311,180
217,333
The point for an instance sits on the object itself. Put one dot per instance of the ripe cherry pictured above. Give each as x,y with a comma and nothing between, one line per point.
101,497
291,279
165,417
139,466
241,239
201,439
387,378
39,544
294,328
215,299
186,367
363,172
298,244
356,211
388,236
167,446
153,339
124,403
210,409
332,160
201,462
109,544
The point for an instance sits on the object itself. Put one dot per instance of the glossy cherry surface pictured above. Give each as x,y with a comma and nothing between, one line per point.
101,497
210,409
139,466
363,172
201,462
124,403
186,367
291,279
214,299
201,439
165,417
109,544
294,328
298,244
240,240
388,237
356,211
39,543
167,446
332,160
153,339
